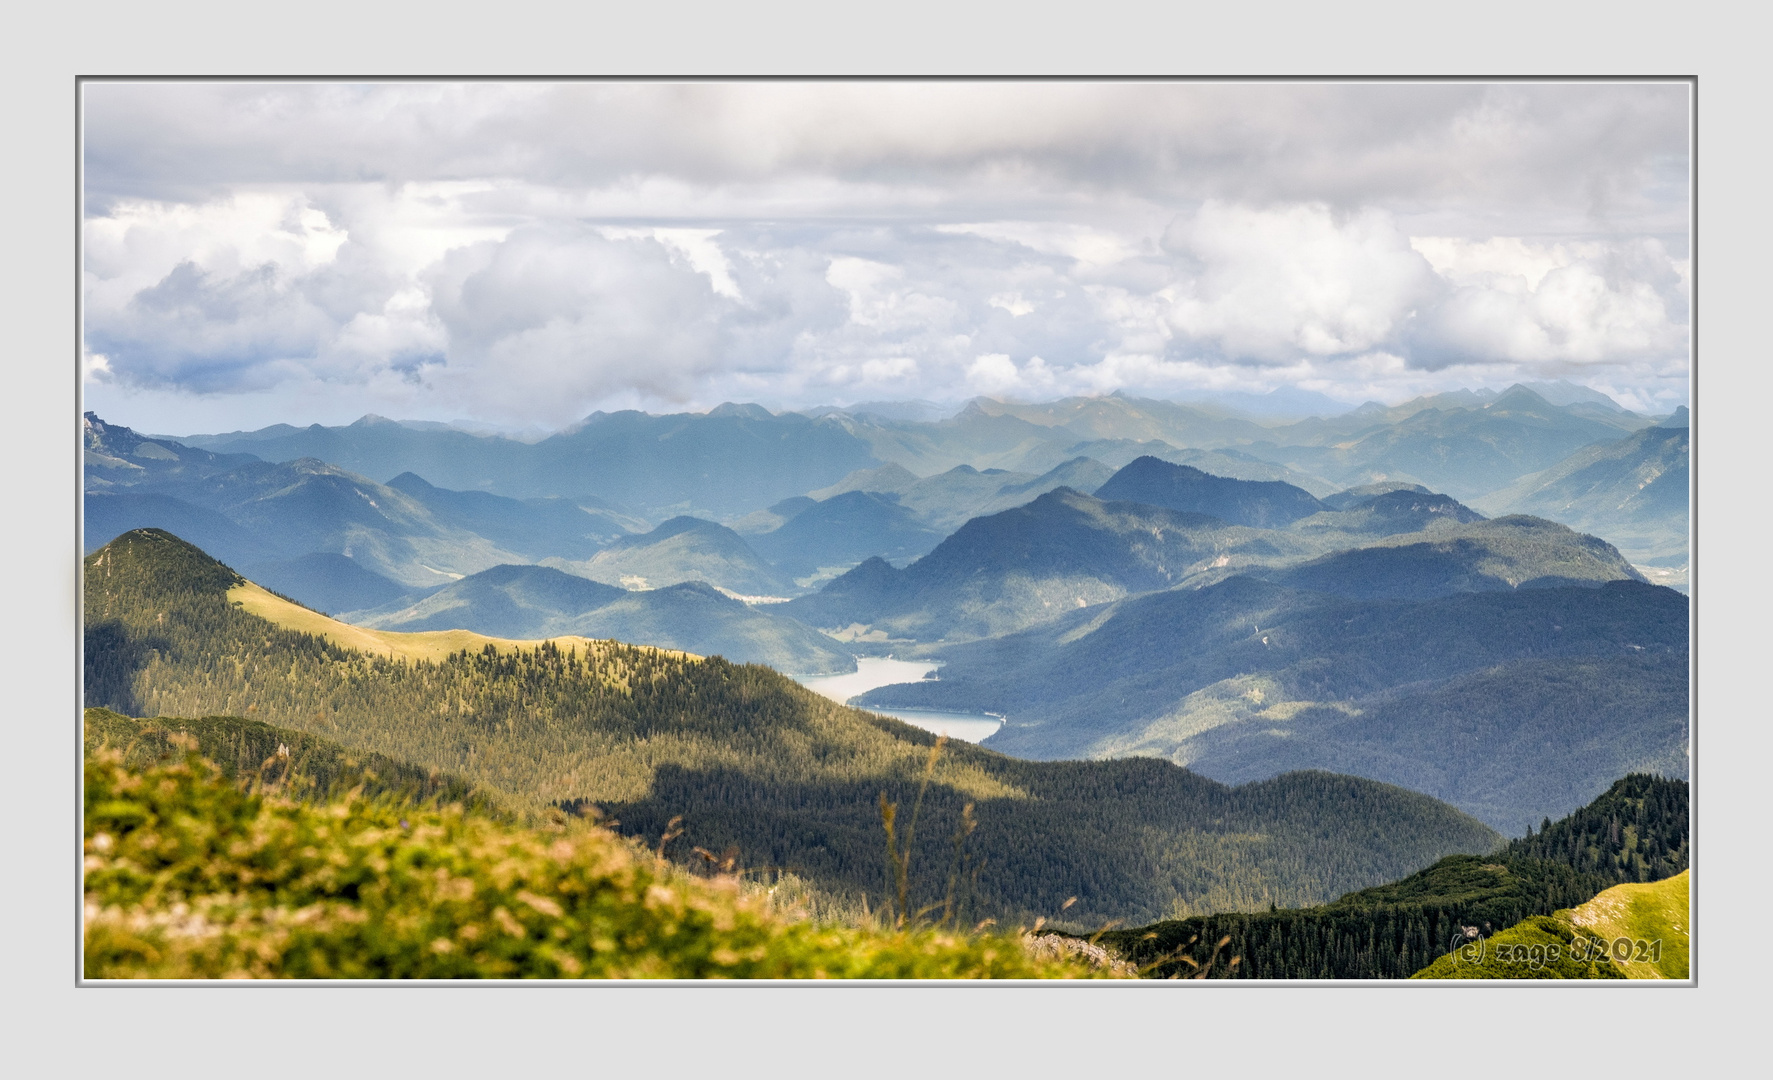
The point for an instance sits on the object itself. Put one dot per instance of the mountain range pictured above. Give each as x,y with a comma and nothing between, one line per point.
1510,703
728,461
738,757
1200,626
1633,491
534,602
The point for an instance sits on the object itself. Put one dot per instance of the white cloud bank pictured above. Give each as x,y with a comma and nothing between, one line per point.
678,246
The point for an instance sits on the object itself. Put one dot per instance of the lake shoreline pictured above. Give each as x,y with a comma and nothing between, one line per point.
874,671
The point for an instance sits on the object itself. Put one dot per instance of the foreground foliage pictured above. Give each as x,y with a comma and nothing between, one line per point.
192,875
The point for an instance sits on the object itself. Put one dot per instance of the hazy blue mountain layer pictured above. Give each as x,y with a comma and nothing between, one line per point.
727,462
1464,450
1011,569
538,528
327,581
255,512
1632,491
115,457
1246,675
531,602
683,549
829,537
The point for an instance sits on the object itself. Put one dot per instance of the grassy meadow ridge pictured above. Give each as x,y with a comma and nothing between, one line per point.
1630,931
192,875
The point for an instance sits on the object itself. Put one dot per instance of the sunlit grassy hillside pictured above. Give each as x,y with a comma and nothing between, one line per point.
190,875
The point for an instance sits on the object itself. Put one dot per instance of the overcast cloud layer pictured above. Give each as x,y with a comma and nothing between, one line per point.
523,254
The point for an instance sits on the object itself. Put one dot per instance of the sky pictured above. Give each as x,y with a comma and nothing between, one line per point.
521,254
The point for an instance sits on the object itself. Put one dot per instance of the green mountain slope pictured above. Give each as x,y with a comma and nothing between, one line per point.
1393,931
298,764
746,757
1628,932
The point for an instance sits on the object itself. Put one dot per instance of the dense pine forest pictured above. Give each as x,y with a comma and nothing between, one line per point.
754,766
1638,831
301,765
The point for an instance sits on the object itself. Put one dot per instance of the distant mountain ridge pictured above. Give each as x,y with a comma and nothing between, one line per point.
1634,491
1463,444
534,602
682,549
1258,504
728,461
999,573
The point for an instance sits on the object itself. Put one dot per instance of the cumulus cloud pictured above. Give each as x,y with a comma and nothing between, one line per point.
527,253
1267,286
1577,304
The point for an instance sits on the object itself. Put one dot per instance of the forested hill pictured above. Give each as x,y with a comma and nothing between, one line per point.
750,760
1637,831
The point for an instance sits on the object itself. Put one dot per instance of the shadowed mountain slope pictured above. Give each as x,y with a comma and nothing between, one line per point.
307,506
110,514
1454,556
1472,697
115,457
1062,551
1259,504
